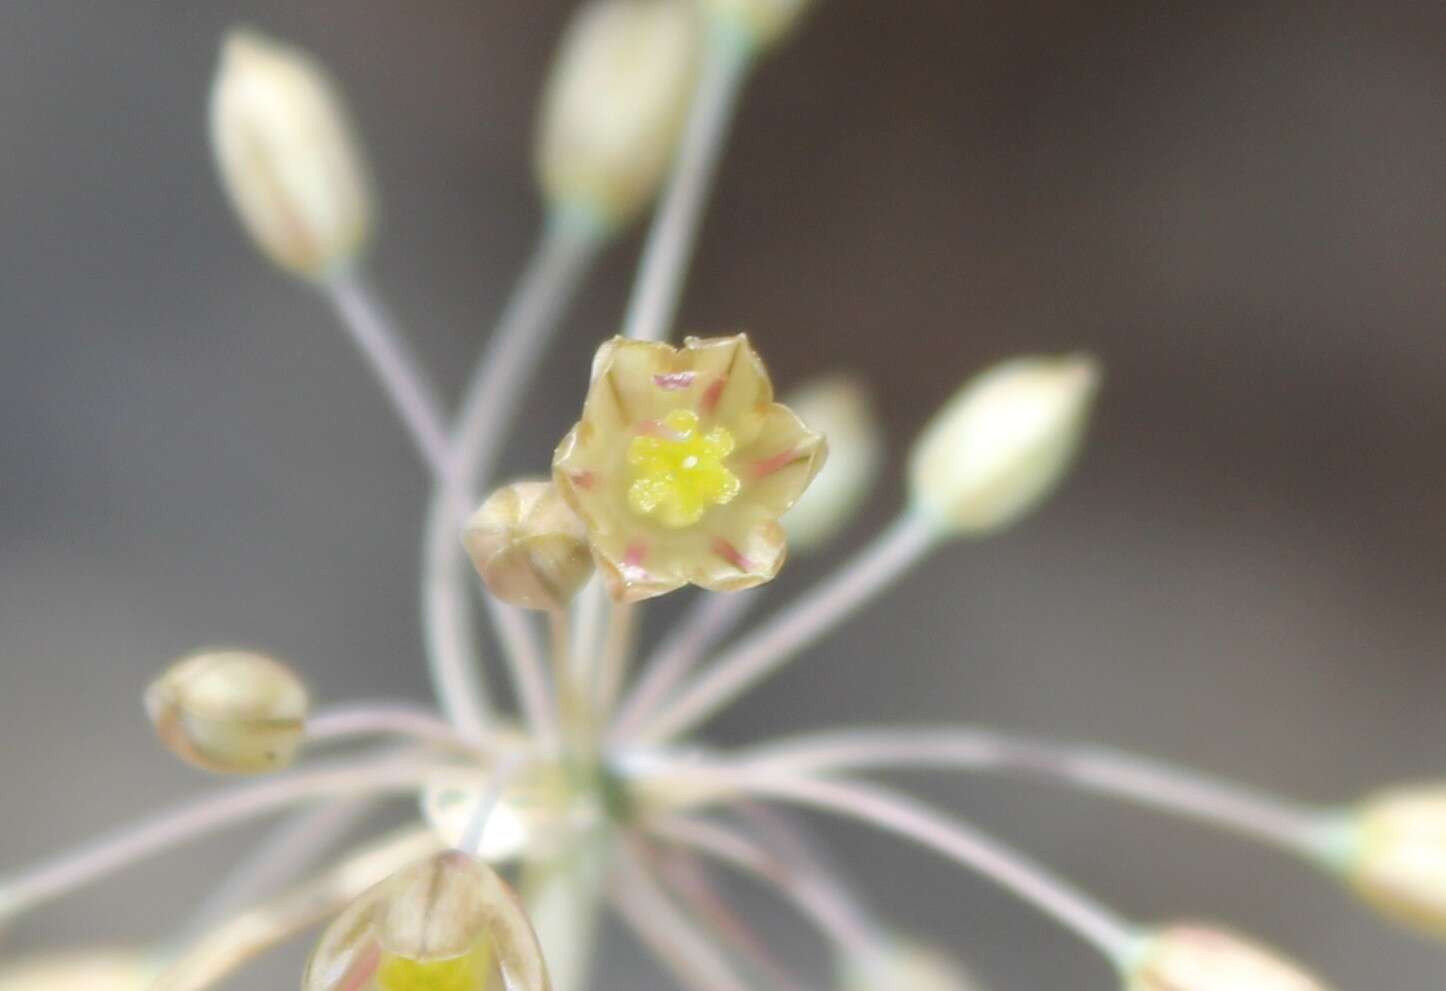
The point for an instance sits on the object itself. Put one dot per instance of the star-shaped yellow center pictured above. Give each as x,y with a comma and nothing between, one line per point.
678,472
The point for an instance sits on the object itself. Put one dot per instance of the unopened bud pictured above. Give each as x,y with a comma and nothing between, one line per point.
529,546
232,712
840,409
615,104
764,21
287,157
1398,860
1003,442
903,965
1199,958
92,970
449,922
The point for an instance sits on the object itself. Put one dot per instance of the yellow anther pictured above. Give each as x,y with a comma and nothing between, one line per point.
679,475
468,973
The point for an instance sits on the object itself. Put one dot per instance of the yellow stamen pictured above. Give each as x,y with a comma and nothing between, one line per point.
467,973
678,478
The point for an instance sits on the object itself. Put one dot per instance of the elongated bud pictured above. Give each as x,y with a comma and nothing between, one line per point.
1398,860
615,104
1003,443
231,711
839,408
90,970
764,21
449,923
287,157
529,546
1200,958
903,965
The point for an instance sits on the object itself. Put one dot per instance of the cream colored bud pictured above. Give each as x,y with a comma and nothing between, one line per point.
449,922
904,965
765,21
230,711
287,157
1201,958
839,408
1398,863
529,546
91,970
1003,443
615,104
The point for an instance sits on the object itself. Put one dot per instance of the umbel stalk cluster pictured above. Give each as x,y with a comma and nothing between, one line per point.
682,469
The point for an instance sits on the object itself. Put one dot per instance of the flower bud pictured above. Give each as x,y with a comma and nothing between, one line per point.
903,965
449,922
1002,443
1199,958
91,970
764,21
287,157
615,104
232,712
1398,864
529,546
839,408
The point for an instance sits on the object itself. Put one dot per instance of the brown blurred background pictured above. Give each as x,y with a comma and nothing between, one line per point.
1239,206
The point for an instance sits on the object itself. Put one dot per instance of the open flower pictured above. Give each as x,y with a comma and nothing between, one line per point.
682,464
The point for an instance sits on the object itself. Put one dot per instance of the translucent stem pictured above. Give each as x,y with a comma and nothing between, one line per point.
709,618
395,366
690,955
65,873
551,279
226,948
817,902
669,249
686,878
611,669
886,810
769,646
384,718
1157,785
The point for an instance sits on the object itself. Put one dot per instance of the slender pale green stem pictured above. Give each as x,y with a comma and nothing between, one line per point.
408,387
385,719
710,617
223,949
769,646
221,810
690,955
727,58
568,246
817,902
1161,786
891,812
611,669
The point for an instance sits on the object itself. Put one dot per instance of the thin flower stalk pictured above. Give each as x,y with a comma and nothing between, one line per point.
727,58
818,902
387,719
706,622
1165,787
225,948
222,810
686,878
1098,925
753,658
408,387
656,923
556,271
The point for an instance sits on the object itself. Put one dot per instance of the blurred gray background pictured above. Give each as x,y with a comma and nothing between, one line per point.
1239,206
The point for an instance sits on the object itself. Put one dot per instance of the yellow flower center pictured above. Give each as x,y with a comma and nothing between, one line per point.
467,973
678,478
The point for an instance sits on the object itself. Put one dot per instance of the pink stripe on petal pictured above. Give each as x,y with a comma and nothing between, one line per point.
362,970
781,460
673,381
709,402
731,554
633,556
584,480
